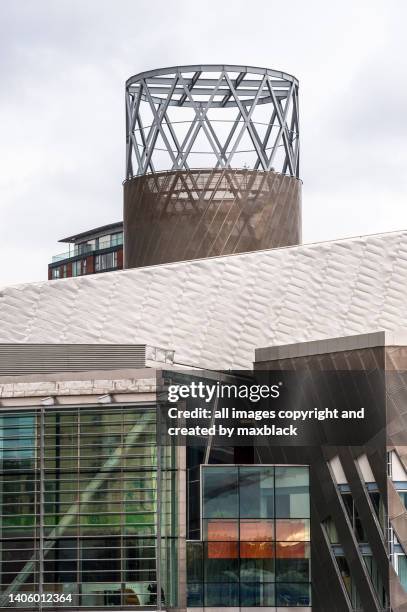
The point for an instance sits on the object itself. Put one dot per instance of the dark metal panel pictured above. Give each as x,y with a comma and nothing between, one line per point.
325,498
366,512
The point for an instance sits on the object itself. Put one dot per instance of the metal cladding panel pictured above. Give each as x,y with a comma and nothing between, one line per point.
183,215
330,594
214,312
19,359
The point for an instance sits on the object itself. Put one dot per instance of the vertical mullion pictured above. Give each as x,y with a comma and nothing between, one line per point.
41,508
3,471
78,527
275,534
238,542
158,511
123,474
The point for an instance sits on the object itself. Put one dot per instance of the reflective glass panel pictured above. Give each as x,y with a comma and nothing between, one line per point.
222,550
293,563
222,594
257,550
221,530
257,594
295,530
293,594
292,492
195,595
220,568
220,492
257,568
256,530
256,492
195,561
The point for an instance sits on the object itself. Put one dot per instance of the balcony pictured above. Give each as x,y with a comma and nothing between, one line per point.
85,249
73,253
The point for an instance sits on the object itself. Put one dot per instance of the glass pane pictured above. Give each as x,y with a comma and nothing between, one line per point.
403,497
293,563
222,550
292,492
256,530
194,562
220,492
222,594
220,568
402,570
221,530
195,595
331,531
256,565
256,594
293,595
256,492
293,530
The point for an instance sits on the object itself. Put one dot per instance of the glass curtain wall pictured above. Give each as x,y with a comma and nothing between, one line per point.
255,549
79,505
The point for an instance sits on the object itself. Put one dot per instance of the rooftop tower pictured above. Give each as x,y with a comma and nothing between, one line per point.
212,163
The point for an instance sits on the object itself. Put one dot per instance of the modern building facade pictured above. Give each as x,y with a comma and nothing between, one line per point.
83,486
100,508
254,549
90,252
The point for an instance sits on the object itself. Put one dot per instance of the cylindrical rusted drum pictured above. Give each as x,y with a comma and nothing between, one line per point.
174,216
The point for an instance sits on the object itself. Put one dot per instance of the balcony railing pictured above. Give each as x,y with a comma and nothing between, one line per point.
74,253
85,249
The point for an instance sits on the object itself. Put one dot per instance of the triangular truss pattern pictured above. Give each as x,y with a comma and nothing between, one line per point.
209,96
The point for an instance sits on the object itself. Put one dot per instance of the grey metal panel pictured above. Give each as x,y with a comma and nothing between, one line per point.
19,359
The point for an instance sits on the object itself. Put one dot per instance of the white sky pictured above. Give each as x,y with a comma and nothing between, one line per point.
63,64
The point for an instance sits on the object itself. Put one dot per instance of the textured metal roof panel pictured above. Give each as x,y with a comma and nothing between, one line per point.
215,312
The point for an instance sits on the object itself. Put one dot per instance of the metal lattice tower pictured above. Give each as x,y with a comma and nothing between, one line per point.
229,114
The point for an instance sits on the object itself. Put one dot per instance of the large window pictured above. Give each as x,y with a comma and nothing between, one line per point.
255,538
85,247
110,240
94,535
117,239
104,242
401,568
79,267
59,271
106,261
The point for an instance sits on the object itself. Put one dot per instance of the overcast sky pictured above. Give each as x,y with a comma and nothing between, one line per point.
63,64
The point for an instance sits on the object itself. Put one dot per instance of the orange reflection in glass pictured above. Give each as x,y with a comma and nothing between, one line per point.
292,550
296,530
257,550
256,530
222,530
222,550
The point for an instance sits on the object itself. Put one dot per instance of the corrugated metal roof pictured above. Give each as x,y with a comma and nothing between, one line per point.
96,231
19,359
215,312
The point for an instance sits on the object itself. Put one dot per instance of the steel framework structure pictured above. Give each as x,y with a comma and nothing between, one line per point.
212,116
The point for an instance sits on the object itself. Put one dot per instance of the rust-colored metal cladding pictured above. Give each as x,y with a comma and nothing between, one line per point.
181,215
